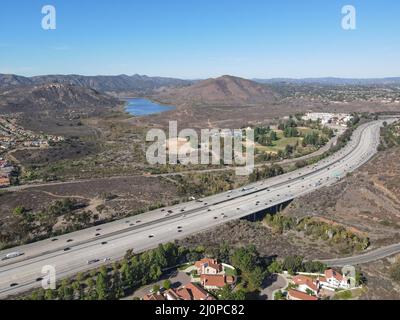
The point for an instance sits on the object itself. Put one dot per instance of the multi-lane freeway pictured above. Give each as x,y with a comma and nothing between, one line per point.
92,247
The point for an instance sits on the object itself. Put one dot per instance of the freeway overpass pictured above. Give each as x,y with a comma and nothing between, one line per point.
71,253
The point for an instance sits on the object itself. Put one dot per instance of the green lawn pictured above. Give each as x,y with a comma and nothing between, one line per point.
230,272
279,144
282,142
185,266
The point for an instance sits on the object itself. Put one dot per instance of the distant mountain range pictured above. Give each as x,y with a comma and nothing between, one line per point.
223,91
136,84
55,108
55,98
332,81
144,85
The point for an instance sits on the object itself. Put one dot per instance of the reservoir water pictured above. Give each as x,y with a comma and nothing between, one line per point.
144,107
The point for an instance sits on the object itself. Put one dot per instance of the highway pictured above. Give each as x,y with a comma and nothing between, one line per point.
71,253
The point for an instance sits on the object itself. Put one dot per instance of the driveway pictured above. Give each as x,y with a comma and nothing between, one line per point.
271,284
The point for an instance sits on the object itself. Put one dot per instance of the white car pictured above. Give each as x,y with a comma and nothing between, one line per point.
12,255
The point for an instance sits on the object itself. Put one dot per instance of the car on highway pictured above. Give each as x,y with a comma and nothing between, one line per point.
11,255
93,261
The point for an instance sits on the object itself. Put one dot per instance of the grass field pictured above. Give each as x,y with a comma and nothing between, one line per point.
282,142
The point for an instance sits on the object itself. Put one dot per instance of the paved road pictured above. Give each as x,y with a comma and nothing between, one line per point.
72,253
271,285
373,255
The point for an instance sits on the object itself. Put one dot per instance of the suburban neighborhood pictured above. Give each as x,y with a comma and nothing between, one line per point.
13,136
207,276
317,286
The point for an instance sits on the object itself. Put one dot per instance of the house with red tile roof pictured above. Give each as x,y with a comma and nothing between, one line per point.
334,280
298,295
154,297
305,284
209,266
188,292
218,281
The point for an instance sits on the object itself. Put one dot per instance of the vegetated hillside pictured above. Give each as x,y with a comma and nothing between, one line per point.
136,84
55,98
8,80
222,91
55,108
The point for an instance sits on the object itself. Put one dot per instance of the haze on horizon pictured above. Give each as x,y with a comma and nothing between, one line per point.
198,40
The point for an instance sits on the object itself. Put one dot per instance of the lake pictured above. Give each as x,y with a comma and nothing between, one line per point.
144,107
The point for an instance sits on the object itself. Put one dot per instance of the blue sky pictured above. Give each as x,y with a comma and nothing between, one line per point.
201,38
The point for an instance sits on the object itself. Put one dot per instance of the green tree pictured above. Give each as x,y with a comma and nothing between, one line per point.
245,258
156,288
292,264
279,295
255,278
275,267
19,211
273,136
90,290
167,284
50,294
101,287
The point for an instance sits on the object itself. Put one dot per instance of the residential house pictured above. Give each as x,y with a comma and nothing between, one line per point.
191,291
154,297
298,295
209,266
306,284
217,281
334,280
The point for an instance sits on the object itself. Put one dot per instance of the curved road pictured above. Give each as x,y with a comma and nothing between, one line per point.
370,256
92,247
